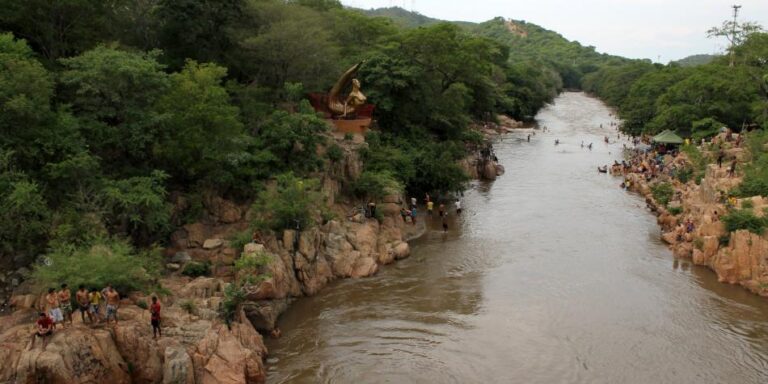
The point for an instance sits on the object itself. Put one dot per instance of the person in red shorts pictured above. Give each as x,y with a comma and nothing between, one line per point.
44,330
154,309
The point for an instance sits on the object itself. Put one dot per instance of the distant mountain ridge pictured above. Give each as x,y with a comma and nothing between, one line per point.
527,42
695,60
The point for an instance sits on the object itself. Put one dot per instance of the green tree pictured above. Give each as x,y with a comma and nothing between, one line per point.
113,93
202,138
293,202
197,29
59,28
137,206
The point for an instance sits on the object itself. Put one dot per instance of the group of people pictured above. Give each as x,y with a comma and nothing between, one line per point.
410,214
58,308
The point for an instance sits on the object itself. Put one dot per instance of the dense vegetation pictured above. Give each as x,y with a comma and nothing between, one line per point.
120,117
696,101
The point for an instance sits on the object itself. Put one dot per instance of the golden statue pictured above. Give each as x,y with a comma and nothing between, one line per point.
353,101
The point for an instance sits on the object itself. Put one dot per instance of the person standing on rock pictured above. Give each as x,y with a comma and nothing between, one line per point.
413,202
154,310
95,299
441,210
720,156
44,325
458,207
113,302
83,304
52,306
445,223
65,300
430,207
413,215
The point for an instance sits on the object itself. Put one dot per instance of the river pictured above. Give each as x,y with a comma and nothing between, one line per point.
552,274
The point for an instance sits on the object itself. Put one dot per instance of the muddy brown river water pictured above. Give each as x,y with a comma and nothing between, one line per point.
551,275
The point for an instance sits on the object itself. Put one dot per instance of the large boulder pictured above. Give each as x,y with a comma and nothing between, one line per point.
75,355
227,356
177,366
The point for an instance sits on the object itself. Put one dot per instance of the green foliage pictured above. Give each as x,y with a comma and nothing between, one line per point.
755,181
142,304
203,137
189,306
234,296
138,206
196,29
705,128
698,162
291,203
24,214
662,193
58,28
240,239
376,184
335,153
674,211
744,219
100,263
196,269
113,94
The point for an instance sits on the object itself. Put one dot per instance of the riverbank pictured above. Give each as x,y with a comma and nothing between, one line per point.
692,215
197,346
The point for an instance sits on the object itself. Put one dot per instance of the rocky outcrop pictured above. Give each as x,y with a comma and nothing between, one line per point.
195,348
740,257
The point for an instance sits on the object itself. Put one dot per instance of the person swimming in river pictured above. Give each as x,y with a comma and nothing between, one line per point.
603,169
589,146
557,141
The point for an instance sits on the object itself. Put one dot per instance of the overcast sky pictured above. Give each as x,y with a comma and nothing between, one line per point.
652,29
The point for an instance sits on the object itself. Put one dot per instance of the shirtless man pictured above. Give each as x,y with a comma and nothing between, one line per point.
113,302
65,300
52,306
83,303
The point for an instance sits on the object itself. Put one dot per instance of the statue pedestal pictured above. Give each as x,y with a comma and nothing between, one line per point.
360,125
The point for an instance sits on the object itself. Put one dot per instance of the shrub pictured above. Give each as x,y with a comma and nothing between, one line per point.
348,137
376,185
289,204
747,204
240,239
142,304
233,298
195,269
250,266
744,219
189,306
662,193
99,263
335,153
675,210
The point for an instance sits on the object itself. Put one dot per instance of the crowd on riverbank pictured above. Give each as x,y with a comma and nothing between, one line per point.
692,190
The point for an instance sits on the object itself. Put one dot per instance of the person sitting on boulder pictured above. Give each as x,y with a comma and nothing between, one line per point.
44,329
154,310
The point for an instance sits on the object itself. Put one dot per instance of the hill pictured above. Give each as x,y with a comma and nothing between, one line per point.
695,60
526,41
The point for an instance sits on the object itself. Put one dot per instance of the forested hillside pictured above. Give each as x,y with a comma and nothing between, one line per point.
120,117
695,101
